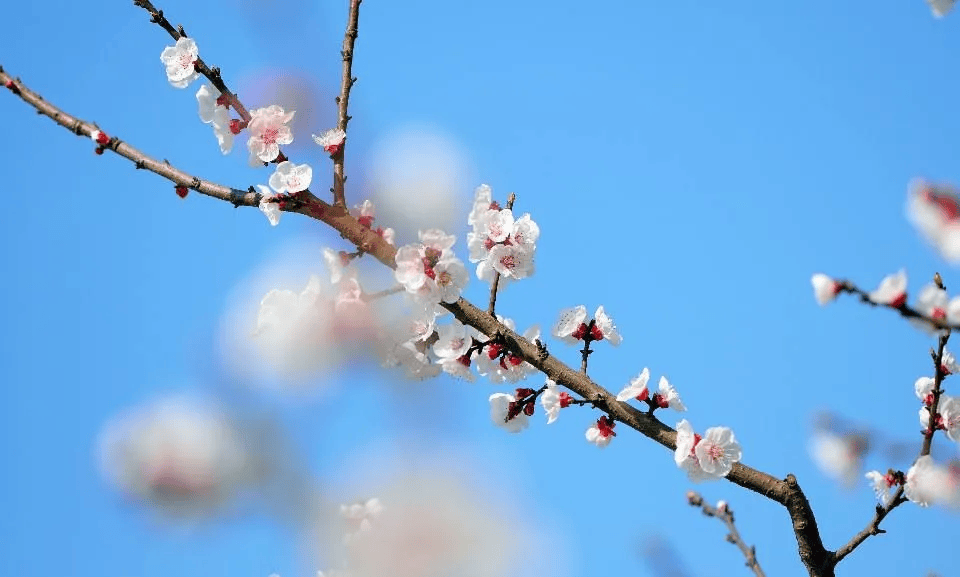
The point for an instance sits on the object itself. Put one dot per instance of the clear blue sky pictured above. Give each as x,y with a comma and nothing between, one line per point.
690,166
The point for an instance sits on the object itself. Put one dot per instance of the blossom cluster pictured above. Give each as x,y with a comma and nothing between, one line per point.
573,326
429,270
706,457
499,243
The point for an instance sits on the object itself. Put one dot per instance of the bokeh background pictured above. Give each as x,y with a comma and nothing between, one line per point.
690,166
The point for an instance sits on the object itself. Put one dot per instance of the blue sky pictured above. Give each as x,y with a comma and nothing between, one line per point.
689,165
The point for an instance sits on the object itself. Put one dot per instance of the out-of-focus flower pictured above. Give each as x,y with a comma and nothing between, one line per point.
179,61
358,517
838,456
927,483
941,8
892,290
933,208
181,455
882,484
825,289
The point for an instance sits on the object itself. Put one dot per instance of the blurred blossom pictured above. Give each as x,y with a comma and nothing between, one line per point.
935,210
180,454
419,181
839,456
430,526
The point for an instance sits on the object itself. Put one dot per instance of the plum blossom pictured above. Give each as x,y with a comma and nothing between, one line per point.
499,243
717,451
935,209
294,330
217,115
637,388
290,178
331,140
358,517
931,303
668,397
571,326
709,457
268,130
941,8
504,413
180,454
452,348
924,389
882,485
553,400
892,290
269,205
825,289
499,364
429,271
339,265
601,432
179,61
948,362
949,410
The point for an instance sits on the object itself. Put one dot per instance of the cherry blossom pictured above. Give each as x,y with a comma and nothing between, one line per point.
499,243
949,410
717,451
497,363
217,115
601,432
100,137
948,362
569,324
608,330
503,413
685,455
429,271
924,389
892,290
269,206
453,343
668,397
825,289
637,388
882,485
553,400
179,61
268,130
941,8
365,214
931,303
331,140
290,178
339,265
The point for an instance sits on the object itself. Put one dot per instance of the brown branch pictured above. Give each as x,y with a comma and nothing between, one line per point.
140,160
496,276
346,83
725,514
786,492
212,74
873,527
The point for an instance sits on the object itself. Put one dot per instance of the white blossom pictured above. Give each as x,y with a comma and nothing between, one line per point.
499,410
882,484
179,61
290,178
717,451
553,400
825,289
216,115
568,323
601,432
637,388
268,131
669,397
935,209
269,205
331,140
892,290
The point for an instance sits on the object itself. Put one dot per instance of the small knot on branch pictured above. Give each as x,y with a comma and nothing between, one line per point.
181,31
139,164
195,185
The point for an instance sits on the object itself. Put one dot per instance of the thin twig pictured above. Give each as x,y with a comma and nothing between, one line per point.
905,310
212,74
140,160
495,287
384,293
346,83
725,514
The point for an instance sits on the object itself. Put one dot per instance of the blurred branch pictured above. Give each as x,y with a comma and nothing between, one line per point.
725,514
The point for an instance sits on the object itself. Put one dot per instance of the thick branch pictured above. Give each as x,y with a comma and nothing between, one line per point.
346,83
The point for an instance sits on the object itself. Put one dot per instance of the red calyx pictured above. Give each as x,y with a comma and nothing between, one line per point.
223,101
235,126
565,400
464,360
428,270
280,158
494,350
605,426
365,221
644,395
13,87
522,393
660,400
98,150
529,408
332,148
181,191
596,334
580,332
899,301
102,138
494,205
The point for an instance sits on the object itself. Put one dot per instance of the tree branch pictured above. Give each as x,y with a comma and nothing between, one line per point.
346,83
726,515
